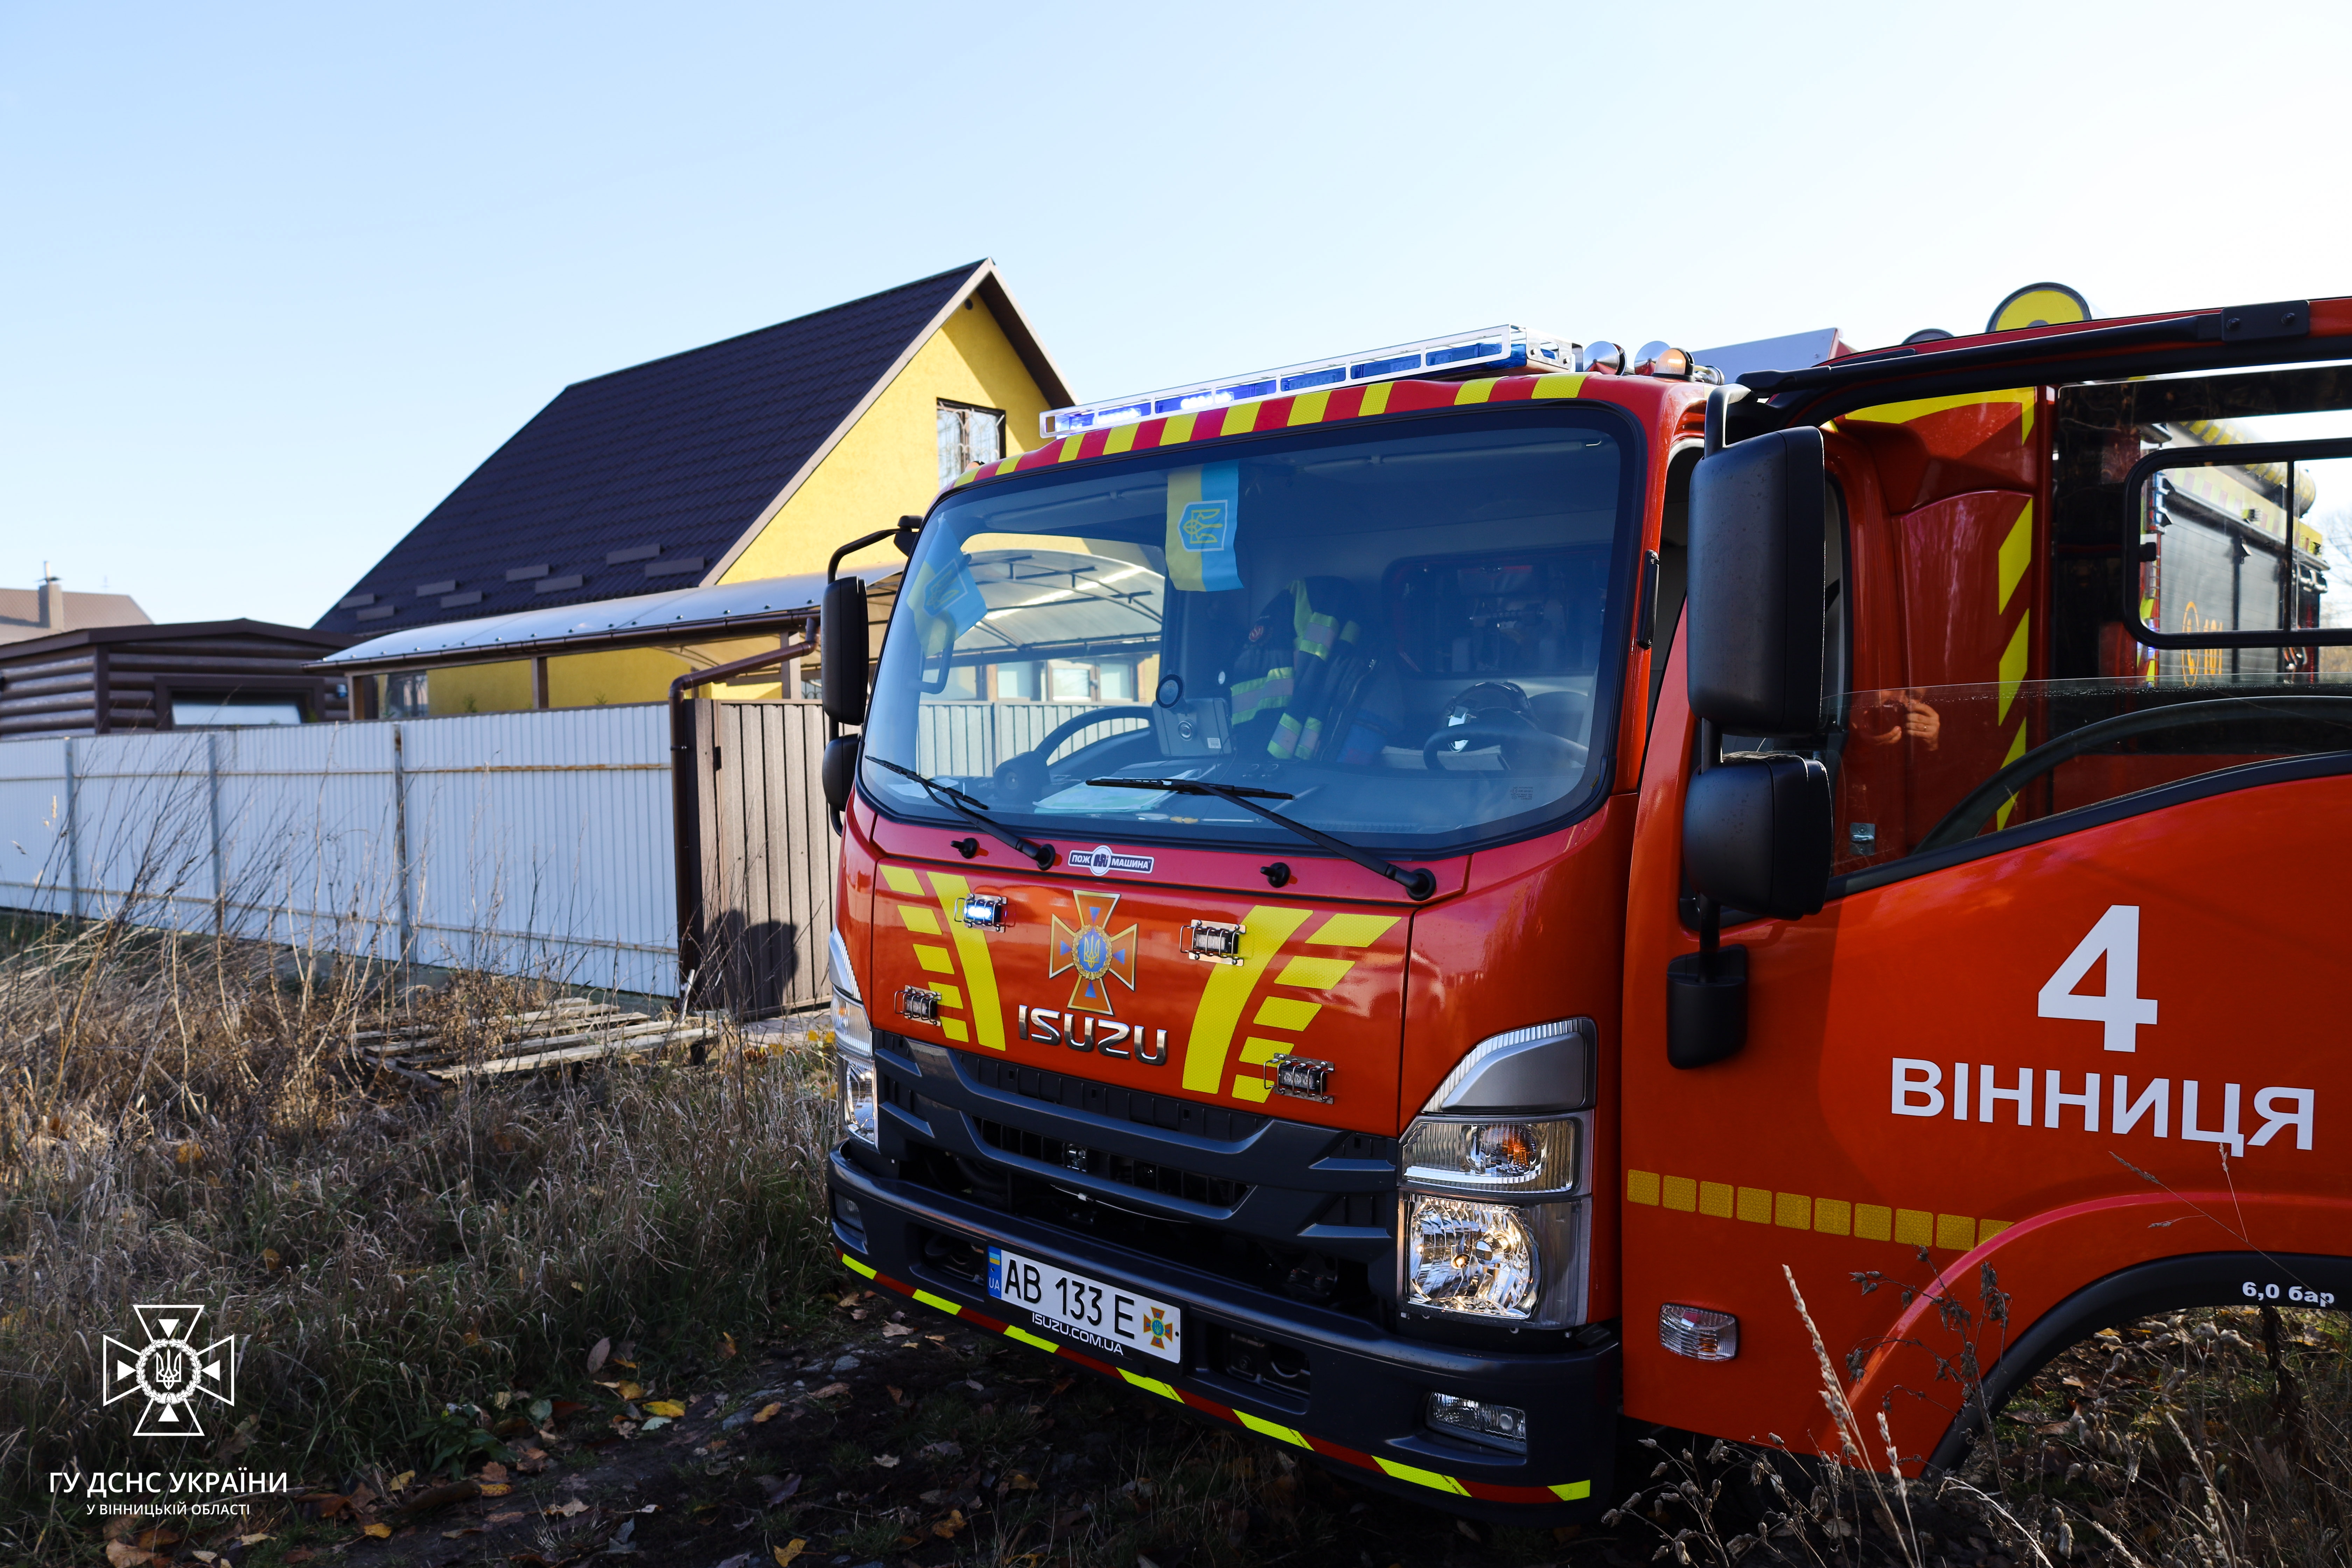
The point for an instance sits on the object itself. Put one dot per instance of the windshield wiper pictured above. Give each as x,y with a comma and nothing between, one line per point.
963,805
1417,883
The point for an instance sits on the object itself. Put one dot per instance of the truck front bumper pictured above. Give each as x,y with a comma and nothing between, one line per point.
1364,1399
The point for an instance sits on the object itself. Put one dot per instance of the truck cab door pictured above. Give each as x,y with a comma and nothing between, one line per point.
2060,1033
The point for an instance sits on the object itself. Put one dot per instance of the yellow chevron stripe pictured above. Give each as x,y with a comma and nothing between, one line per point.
2012,666
901,880
1265,928
1240,419
1271,1428
1014,1332
858,1266
1473,392
941,1302
979,965
1572,1492
2016,553
1285,1013
1152,1385
1376,398
1351,931
1919,409
934,959
2016,750
1311,408
1429,1478
1314,974
1557,386
1121,439
918,919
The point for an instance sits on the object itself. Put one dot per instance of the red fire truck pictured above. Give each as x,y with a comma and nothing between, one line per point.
1388,900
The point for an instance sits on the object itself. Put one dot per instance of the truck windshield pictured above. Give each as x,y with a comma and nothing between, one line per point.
1412,633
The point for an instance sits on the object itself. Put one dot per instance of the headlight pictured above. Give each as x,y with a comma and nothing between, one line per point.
1498,1154
1481,1259
853,1046
856,1082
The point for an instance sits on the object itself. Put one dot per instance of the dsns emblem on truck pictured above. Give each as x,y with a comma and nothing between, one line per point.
1099,955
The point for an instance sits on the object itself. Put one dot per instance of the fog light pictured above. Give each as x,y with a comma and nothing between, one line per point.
1480,1258
845,1210
1502,1425
1699,1332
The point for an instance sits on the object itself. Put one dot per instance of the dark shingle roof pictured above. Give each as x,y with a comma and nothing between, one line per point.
683,453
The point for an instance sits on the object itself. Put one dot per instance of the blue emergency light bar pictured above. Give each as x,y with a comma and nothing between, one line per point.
1498,351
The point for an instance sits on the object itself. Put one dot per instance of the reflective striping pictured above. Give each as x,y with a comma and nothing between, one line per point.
1265,928
1150,1385
953,1029
1122,438
1310,409
1919,409
948,995
978,963
2017,554
1240,419
1430,1478
1557,386
1474,392
1800,1211
1351,931
1488,1491
901,880
2012,667
1376,399
934,959
918,918
1273,1429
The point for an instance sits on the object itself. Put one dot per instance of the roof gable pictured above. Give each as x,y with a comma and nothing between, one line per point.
667,465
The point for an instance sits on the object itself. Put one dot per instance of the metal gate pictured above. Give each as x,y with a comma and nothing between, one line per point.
756,909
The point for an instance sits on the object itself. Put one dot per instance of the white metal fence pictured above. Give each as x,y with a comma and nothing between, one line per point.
528,843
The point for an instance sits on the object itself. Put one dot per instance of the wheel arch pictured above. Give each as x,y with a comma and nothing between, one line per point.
2139,1290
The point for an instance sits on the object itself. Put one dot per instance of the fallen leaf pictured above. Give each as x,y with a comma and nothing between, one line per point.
665,1408
533,1460
399,1483
1022,1483
631,1392
936,1339
857,1314
302,1555
887,1461
596,1357
948,1528
322,1505
784,1555
777,1490
897,1394
254,1539
461,1534
509,1517
270,1260
122,1555
896,1331
655,1423
727,1347
768,1412
829,1389
496,1489
567,1509
381,1531
493,1471
848,1301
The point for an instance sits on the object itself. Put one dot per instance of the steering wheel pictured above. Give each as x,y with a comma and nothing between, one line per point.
1504,732
1024,777
1965,820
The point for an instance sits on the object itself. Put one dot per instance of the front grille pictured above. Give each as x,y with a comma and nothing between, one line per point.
1164,1112
1144,1175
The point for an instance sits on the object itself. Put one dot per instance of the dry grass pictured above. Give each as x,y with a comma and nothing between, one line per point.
178,1124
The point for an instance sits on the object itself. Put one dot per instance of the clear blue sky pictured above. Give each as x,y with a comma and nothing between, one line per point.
277,278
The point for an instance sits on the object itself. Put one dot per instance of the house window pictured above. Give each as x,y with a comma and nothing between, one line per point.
969,437
405,695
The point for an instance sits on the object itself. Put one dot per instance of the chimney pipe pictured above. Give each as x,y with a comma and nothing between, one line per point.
52,602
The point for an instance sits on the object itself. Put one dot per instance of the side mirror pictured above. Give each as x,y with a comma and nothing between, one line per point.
1757,531
1756,835
841,644
838,772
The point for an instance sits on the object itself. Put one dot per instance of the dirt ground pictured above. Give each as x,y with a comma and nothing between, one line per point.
898,1437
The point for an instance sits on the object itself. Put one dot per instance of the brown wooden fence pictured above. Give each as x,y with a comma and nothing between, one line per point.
756,938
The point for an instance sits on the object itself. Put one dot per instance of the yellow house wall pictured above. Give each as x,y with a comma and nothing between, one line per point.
887,466
594,679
